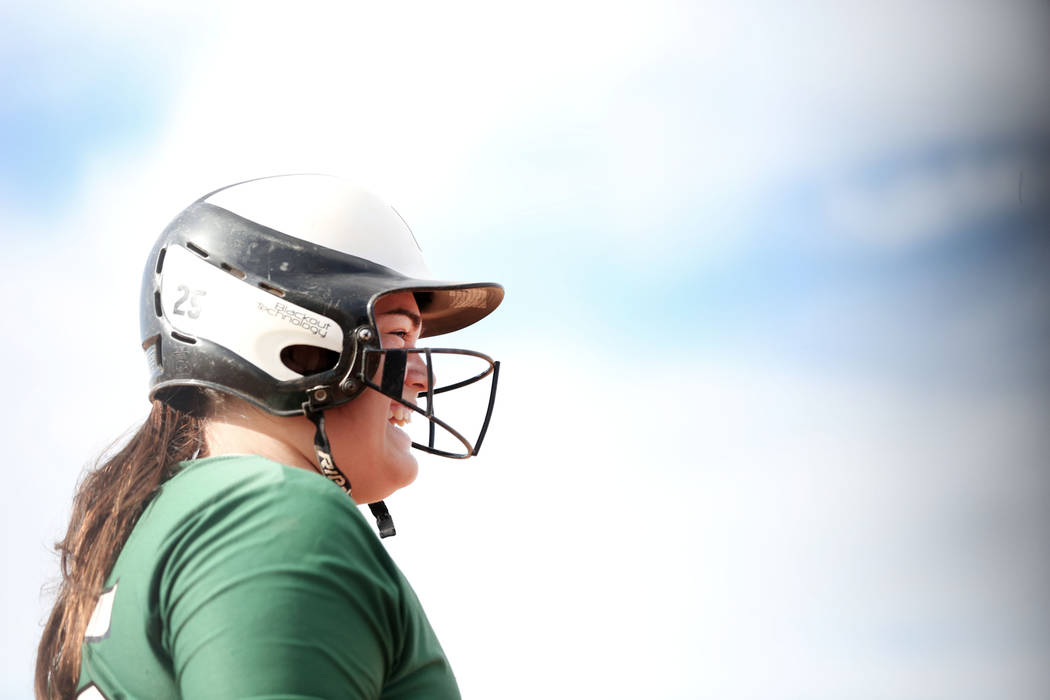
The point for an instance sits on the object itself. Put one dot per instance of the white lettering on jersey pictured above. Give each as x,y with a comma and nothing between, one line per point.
98,625
91,693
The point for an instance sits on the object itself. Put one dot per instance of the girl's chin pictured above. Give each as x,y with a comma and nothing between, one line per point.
398,472
400,444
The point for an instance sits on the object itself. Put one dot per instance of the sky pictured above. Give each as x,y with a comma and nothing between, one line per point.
773,401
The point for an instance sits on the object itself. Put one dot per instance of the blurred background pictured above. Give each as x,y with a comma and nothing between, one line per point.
773,416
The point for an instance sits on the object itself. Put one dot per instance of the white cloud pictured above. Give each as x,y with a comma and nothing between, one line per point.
71,51
628,120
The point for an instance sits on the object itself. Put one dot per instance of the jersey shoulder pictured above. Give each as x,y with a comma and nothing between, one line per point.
240,556
225,508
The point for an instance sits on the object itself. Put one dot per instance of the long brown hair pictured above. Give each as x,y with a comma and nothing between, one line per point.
107,505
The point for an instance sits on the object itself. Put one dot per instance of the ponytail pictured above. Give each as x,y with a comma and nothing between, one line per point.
107,505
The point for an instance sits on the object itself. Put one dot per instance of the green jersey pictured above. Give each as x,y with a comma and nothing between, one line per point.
248,578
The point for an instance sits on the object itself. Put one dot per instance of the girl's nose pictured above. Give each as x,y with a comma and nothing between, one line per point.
416,373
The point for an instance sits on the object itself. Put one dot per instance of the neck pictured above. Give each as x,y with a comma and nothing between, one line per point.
252,432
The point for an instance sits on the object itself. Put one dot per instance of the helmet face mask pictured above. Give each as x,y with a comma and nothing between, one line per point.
283,318
394,366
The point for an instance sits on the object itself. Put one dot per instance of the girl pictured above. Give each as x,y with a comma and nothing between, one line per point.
216,555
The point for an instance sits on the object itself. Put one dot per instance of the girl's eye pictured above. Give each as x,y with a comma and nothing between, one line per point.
400,334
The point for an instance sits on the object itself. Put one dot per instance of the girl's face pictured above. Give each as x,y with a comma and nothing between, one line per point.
367,444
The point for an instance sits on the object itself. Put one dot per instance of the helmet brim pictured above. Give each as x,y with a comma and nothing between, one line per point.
452,305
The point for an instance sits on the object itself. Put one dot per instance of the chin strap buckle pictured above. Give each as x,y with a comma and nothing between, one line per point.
383,520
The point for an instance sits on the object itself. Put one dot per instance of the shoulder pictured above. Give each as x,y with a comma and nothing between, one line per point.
276,569
241,534
247,502
222,516
246,476
247,486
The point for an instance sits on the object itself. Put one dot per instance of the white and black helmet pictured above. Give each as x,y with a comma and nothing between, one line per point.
265,290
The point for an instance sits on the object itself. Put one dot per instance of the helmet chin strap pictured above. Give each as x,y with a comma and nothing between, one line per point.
328,467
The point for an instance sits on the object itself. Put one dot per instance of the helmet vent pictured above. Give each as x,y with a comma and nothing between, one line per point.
272,289
239,274
197,249
156,304
309,359
184,338
160,260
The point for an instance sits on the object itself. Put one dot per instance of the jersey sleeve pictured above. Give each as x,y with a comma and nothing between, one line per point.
279,590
